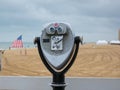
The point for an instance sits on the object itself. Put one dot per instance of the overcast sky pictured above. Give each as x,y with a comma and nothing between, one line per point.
92,19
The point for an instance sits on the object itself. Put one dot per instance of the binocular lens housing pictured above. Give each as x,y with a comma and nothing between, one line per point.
51,30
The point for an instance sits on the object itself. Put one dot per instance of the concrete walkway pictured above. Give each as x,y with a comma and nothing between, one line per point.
42,83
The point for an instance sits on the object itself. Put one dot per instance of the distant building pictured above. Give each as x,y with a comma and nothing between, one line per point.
0,59
101,42
119,35
115,42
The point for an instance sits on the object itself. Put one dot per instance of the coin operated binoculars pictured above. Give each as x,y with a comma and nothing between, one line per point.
58,49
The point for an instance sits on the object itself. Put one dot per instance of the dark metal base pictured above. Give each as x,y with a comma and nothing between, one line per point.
58,86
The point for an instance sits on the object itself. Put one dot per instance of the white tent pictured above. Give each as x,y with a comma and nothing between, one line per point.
101,42
116,42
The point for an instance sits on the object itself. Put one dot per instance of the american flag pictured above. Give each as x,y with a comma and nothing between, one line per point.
17,43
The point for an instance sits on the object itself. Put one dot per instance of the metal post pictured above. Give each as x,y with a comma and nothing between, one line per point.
58,82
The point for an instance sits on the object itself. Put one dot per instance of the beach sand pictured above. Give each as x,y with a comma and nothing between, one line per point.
92,61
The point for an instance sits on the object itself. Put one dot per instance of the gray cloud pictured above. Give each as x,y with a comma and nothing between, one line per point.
87,17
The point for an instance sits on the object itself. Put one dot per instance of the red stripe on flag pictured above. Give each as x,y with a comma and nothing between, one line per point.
17,44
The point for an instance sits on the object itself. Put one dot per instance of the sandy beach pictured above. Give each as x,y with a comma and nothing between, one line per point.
92,61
